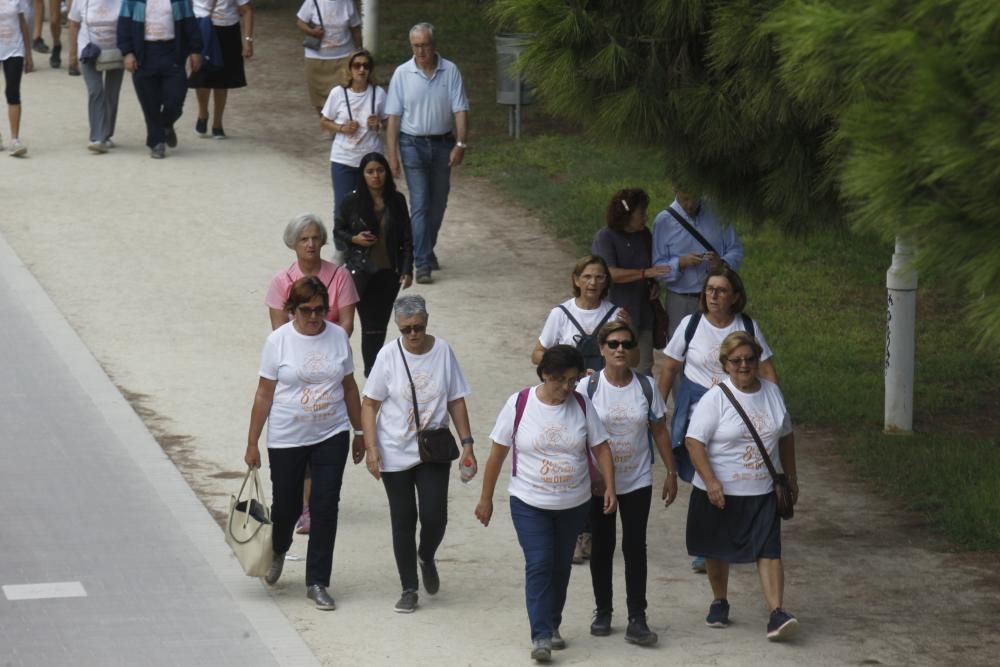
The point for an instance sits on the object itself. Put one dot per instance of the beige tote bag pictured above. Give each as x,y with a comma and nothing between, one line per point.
248,530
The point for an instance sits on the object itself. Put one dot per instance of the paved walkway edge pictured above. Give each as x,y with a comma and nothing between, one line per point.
269,623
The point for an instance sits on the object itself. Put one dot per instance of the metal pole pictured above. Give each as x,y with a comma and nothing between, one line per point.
369,25
900,339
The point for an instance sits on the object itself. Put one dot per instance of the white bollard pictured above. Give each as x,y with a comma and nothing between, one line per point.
900,339
369,25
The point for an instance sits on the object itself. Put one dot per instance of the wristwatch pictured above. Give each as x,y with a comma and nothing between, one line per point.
468,440
462,144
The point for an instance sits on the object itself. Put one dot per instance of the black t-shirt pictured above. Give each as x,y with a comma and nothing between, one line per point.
632,250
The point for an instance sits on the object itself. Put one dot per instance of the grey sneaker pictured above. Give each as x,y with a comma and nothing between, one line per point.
432,583
274,572
424,277
407,603
323,601
557,642
158,152
17,149
541,650
97,147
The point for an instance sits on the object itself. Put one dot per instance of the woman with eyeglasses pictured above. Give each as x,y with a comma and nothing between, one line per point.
693,351
423,366
633,414
732,514
354,113
307,396
373,225
552,431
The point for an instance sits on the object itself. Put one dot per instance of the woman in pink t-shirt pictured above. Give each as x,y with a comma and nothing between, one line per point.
305,234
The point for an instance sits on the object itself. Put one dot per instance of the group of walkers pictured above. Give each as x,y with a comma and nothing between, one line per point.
583,442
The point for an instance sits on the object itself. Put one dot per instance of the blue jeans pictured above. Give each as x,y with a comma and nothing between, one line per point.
345,180
428,178
547,538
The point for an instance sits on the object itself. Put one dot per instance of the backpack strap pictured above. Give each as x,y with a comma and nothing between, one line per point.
647,391
347,103
573,320
582,403
519,405
748,325
689,331
604,320
592,384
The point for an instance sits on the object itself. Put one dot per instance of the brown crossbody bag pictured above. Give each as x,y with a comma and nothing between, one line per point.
782,492
436,445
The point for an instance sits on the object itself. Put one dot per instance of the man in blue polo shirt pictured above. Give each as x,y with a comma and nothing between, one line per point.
428,124
688,257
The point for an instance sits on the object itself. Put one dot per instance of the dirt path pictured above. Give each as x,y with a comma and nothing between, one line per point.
161,267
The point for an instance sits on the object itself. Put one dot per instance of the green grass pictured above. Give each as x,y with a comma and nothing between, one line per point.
820,300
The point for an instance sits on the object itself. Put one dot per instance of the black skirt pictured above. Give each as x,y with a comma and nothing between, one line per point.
746,530
231,75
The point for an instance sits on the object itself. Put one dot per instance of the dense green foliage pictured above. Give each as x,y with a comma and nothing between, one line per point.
882,114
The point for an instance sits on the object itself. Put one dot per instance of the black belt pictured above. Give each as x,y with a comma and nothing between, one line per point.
432,137
694,295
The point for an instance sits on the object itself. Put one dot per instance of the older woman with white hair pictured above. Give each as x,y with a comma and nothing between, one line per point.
414,386
305,234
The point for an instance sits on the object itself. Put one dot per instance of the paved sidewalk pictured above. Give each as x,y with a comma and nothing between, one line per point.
106,555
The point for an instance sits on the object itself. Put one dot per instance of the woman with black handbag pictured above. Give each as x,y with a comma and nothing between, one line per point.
373,224
414,386
739,497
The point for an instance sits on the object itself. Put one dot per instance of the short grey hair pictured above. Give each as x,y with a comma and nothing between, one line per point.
423,26
409,306
298,224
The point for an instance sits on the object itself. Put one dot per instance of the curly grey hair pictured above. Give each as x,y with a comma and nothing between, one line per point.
298,224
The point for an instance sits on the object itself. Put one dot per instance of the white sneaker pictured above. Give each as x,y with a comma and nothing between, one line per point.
17,149
109,144
97,147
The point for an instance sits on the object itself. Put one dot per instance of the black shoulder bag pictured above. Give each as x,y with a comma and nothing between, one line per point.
692,231
782,492
436,445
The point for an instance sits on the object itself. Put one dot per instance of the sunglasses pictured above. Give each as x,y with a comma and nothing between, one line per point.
361,65
615,344
413,328
739,361
309,312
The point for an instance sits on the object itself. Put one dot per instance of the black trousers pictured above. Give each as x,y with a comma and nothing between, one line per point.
430,505
377,293
161,86
327,460
634,508
12,70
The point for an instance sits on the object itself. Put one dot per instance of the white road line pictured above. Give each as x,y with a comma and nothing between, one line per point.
56,589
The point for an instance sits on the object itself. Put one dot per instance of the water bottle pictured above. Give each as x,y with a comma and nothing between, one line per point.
467,470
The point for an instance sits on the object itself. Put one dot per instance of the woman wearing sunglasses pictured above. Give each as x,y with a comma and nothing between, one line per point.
421,365
633,414
732,514
308,398
694,349
354,113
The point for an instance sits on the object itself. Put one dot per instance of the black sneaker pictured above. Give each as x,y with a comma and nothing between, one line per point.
201,127
601,626
158,152
424,277
323,601
434,263
55,60
718,614
429,573
39,45
171,137
407,603
639,633
218,133
781,625
557,643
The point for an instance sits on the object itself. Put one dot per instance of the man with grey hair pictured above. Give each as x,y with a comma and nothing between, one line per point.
428,124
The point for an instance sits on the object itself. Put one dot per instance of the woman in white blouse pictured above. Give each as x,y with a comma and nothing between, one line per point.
94,22
15,60
553,431
392,453
732,514
337,24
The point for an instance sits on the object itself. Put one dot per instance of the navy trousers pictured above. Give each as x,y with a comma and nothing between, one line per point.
161,86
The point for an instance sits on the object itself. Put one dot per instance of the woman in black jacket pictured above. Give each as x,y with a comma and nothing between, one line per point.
373,224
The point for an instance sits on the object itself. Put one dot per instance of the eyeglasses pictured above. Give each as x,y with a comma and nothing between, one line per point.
593,279
739,361
567,382
615,344
356,65
413,328
717,291
311,312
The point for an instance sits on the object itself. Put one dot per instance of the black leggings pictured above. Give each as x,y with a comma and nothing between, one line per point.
634,508
377,293
13,68
430,481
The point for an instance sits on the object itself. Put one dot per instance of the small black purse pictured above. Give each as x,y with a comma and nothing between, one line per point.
436,445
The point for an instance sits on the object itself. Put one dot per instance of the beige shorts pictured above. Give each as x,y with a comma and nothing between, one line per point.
322,76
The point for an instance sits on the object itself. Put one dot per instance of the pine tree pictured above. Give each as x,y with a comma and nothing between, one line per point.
880,114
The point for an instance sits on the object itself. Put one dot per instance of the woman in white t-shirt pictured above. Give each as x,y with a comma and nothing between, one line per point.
308,398
633,414
422,366
15,59
732,514
95,22
694,347
337,24
354,113
553,431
